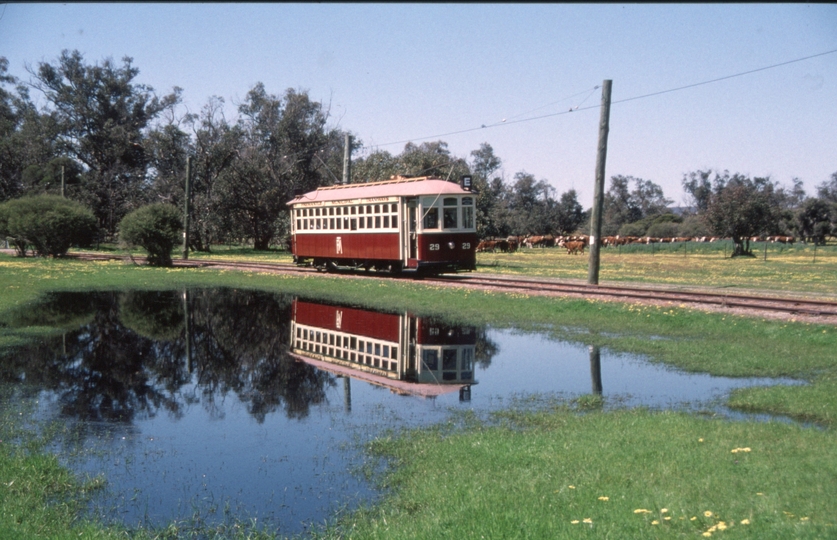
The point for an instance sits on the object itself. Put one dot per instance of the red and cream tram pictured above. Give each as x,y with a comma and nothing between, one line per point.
427,224
407,354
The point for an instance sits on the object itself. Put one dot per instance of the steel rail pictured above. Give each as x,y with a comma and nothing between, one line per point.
764,303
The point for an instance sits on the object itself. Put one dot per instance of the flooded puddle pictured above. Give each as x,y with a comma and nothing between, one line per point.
209,405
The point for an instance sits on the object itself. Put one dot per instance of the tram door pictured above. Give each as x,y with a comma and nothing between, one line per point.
410,233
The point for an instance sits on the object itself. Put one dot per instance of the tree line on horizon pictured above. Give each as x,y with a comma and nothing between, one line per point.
116,146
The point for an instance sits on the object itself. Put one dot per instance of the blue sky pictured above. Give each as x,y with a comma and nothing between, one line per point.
397,72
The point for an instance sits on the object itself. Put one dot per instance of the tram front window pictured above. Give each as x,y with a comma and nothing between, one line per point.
450,212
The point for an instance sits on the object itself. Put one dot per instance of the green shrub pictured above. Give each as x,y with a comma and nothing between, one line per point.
49,223
662,230
156,228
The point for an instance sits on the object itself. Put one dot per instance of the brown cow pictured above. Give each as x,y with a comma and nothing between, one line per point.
575,247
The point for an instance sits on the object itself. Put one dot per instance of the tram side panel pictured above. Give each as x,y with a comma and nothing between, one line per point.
348,246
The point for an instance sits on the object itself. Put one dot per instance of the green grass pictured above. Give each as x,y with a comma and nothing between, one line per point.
543,475
511,480
798,268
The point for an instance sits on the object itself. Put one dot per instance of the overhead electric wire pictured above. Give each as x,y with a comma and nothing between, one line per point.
614,102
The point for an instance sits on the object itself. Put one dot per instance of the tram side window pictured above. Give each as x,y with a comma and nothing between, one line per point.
450,211
431,219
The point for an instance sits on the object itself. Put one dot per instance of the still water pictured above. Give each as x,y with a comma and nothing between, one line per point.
212,405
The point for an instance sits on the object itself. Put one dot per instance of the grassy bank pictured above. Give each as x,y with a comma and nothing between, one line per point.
626,474
512,479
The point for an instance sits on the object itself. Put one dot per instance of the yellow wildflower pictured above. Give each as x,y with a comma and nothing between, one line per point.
745,521
604,498
707,513
721,526
571,487
655,522
574,522
642,511
588,520
707,533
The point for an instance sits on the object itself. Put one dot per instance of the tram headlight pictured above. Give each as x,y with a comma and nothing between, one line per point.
452,245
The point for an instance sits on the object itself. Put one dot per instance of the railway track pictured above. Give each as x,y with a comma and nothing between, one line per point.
818,309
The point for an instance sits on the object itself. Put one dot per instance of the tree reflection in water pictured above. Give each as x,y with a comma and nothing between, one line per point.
123,356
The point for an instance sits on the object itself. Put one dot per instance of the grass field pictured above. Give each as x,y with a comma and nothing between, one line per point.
800,268
511,477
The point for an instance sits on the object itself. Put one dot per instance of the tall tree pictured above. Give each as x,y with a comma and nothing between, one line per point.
569,213
828,189
378,165
281,153
103,115
431,159
27,143
698,185
623,205
484,165
740,208
813,220
217,146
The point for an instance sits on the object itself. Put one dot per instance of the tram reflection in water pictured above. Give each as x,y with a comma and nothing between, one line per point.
409,355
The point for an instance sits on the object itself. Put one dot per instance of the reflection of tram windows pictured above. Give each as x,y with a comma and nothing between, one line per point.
467,366
430,359
449,372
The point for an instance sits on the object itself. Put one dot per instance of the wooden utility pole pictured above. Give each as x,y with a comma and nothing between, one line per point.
186,208
598,197
347,160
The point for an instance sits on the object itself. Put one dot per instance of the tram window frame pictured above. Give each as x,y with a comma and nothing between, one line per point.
431,218
426,356
386,222
394,353
450,213
331,223
449,359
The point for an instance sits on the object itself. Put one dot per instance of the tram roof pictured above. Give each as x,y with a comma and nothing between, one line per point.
396,187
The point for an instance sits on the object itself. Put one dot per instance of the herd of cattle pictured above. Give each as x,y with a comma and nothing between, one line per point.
575,244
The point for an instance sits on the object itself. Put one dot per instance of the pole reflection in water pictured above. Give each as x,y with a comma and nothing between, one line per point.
596,369
404,353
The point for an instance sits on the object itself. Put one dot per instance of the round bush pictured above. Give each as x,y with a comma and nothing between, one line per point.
49,223
156,228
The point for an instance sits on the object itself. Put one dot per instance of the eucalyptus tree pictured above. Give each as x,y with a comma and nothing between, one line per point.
377,165
813,220
102,116
828,189
484,166
741,207
29,162
282,143
217,146
431,159
623,205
